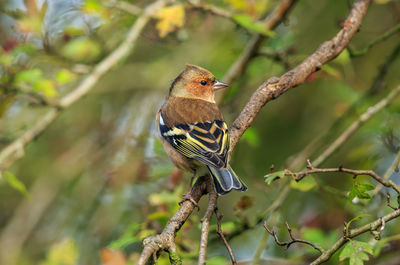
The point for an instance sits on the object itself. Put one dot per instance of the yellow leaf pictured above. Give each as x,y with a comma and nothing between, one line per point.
30,25
169,19
46,87
62,253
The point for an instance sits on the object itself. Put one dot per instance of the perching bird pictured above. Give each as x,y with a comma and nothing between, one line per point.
194,133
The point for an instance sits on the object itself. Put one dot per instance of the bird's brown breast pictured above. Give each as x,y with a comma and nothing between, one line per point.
178,110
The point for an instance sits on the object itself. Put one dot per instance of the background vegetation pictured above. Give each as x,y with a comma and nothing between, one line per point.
94,181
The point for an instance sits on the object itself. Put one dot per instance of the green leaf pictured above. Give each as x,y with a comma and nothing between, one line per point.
274,176
94,7
359,190
15,183
356,252
28,77
65,76
47,87
81,50
365,187
228,227
256,26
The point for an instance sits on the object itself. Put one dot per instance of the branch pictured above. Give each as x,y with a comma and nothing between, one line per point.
311,170
275,87
376,86
205,222
221,234
373,226
339,142
388,173
264,93
235,70
389,204
15,149
165,240
292,239
383,37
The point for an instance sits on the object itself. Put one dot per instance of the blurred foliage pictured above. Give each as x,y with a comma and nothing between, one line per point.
356,252
97,180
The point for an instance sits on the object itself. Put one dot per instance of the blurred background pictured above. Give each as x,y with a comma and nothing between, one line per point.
97,181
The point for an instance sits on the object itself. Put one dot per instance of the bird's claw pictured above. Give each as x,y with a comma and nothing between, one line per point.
188,197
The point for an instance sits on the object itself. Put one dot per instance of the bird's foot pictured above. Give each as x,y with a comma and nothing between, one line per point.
188,197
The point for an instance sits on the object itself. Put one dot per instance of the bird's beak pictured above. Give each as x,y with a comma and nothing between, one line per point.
219,85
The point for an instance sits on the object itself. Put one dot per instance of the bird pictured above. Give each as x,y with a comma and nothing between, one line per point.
193,131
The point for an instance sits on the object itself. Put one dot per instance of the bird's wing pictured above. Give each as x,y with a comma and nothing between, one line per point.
207,142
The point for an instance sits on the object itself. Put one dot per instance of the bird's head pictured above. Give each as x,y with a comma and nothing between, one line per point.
196,82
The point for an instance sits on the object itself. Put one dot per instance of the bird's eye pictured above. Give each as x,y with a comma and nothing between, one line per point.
203,82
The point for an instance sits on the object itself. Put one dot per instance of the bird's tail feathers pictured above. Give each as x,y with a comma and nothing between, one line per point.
226,180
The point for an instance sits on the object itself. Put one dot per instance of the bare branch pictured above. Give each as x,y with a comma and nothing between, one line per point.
165,240
221,234
373,226
376,86
275,87
388,173
389,203
302,174
205,222
293,240
15,150
265,93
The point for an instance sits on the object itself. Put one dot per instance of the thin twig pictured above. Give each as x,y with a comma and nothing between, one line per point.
293,240
381,38
389,172
312,170
376,86
165,240
388,203
205,221
373,226
221,234
15,150
265,93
